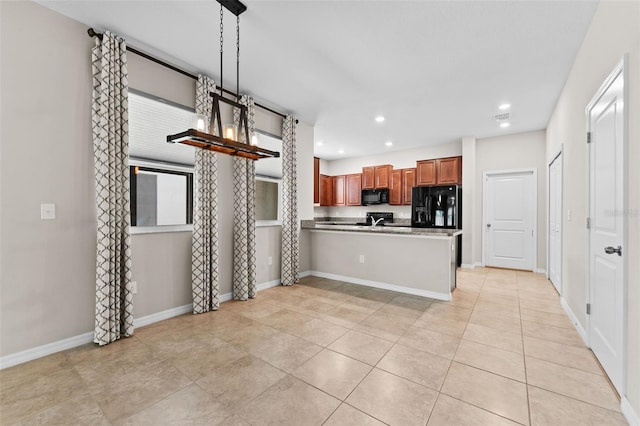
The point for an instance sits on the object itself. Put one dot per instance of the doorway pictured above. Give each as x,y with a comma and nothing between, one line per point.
555,223
509,218
607,127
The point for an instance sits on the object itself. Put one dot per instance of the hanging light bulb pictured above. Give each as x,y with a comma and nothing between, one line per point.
201,123
230,131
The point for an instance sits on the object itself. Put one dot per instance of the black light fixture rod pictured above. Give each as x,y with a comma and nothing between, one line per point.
93,33
234,6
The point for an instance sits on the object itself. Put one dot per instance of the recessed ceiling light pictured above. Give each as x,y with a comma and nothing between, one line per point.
341,151
388,143
503,125
379,119
319,143
504,106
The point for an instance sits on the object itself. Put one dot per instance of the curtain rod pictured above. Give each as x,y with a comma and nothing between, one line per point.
131,49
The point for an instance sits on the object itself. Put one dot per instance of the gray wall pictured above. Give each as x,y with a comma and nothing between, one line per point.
47,268
419,263
614,32
47,289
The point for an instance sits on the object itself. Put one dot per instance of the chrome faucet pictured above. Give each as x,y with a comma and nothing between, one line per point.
375,222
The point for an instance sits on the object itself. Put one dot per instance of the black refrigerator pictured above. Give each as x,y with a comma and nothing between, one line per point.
438,206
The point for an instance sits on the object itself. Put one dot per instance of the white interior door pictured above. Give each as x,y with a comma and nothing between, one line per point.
606,120
555,222
509,219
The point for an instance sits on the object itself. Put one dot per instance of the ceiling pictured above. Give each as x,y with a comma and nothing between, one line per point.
436,70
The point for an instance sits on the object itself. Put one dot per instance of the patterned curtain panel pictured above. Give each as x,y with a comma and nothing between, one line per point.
110,116
290,237
204,250
244,224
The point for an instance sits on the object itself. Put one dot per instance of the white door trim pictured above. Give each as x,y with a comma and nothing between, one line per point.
534,202
558,153
621,67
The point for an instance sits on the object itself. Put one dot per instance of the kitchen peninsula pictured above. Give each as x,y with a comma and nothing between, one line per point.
417,261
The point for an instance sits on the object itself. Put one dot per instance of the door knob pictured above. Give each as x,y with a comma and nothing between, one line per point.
488,225
611,250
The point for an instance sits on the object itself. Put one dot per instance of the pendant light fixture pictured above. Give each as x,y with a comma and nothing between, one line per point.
228,139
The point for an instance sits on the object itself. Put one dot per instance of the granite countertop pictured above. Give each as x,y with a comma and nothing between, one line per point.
401,228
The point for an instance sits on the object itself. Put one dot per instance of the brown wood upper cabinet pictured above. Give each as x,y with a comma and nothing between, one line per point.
408,182
326,190
449,170
368,177
354,189
395,187
374,177
339,198
439,171
426,172
316,180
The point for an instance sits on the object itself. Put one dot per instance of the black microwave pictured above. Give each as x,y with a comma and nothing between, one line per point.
375,196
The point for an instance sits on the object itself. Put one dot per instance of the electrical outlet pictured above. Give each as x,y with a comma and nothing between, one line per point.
362,258
569,215
47,211
134,287
270,260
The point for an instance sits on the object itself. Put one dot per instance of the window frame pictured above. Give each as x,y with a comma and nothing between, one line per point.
167,168
278,221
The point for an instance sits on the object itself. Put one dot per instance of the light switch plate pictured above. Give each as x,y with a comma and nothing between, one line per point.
47,211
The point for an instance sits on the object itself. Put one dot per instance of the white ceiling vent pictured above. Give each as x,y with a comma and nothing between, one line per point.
503,116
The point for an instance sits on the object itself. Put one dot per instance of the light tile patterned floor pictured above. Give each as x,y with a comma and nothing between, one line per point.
325,352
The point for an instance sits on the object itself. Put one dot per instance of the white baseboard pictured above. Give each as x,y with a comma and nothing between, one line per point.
468,266
161,316
304,274
84,338
269,284
384,286
541,271
629,413
581,331
44,350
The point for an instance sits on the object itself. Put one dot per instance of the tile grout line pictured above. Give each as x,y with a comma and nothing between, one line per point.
524,357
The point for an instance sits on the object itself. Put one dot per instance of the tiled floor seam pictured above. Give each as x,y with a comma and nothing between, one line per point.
574,398
524,360
121,421
602,373
477,406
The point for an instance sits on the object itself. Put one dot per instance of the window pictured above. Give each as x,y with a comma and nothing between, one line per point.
268,201
161,174
161,197
268,184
